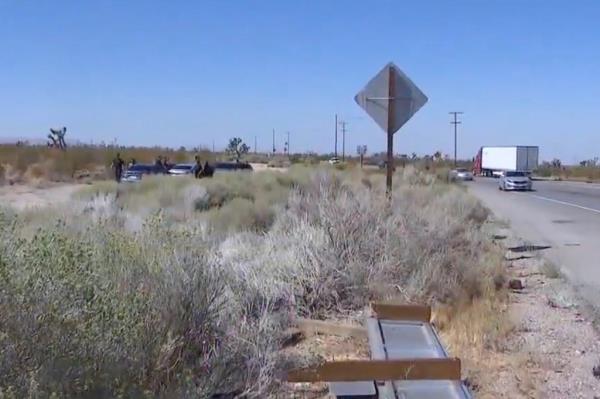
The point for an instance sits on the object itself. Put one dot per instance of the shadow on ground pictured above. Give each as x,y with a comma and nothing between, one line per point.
528,248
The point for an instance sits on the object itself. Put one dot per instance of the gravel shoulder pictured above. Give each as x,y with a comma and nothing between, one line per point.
554,343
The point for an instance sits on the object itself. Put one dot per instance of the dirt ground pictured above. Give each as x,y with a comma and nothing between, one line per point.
554,347
23,196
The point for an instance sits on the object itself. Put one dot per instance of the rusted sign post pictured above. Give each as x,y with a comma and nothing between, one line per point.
390,99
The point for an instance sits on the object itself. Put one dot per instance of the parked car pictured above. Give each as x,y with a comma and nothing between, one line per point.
334,161
137,171
515,181
182,169
460,174
232,166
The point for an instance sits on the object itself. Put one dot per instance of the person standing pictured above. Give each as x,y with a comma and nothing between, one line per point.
197,168
117,165
207,171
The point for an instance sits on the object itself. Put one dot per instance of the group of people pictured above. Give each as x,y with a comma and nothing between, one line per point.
200,171
162,163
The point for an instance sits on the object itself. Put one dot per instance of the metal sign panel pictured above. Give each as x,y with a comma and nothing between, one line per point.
410,340
391,91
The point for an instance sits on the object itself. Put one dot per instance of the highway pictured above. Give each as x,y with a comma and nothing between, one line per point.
564,216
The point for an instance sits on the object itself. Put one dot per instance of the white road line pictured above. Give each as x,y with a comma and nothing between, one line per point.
566,203
587,186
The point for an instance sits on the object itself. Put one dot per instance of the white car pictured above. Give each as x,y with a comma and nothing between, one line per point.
461,174
515,181
334,161
182,169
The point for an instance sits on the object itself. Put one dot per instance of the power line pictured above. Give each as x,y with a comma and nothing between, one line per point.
455,122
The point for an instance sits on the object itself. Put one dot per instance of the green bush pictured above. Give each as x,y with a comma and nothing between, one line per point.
105,314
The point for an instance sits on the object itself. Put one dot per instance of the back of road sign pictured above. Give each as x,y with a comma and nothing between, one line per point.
406,98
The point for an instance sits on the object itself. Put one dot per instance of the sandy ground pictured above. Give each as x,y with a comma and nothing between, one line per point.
261,167
23,197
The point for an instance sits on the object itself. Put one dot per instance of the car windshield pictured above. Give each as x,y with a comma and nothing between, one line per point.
461,170
515,174
183,166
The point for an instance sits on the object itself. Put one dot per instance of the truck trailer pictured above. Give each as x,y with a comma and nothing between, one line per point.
493,161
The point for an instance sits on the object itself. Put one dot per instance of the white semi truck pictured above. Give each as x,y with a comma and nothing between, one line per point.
493,161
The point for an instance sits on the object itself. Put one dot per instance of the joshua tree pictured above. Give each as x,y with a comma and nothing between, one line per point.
58,138
237,148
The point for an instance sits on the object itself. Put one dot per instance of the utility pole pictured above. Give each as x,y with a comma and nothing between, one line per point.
255,145
343,123
287,144
335,148
213,146
455,122
273,141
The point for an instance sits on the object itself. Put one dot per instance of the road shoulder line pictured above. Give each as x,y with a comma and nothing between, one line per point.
566,203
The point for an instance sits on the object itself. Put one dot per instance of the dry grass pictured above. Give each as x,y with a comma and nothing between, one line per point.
24,163
580,173
126,288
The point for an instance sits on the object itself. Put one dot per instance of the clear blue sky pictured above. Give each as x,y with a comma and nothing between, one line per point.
185,73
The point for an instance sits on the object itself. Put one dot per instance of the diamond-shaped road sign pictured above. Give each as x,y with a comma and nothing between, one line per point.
391,98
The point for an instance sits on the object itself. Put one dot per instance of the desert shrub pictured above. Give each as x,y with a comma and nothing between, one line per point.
122,295
442,174
104,313
242,214
339,244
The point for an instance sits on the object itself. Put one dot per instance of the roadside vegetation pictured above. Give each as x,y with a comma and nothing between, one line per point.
38,164
585,171
26,164
183,288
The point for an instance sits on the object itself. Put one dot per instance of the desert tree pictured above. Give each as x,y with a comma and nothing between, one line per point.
236,148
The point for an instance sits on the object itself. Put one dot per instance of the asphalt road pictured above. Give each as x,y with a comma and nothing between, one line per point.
563,216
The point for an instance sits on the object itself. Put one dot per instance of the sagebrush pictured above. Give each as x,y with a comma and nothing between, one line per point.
185,288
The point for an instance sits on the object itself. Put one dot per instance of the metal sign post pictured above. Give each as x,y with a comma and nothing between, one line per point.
390,133
361,150
391,99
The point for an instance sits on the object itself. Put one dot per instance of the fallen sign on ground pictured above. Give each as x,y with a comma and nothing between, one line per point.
407,361
362,370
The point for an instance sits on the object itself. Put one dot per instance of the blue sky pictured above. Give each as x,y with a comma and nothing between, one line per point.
187,73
